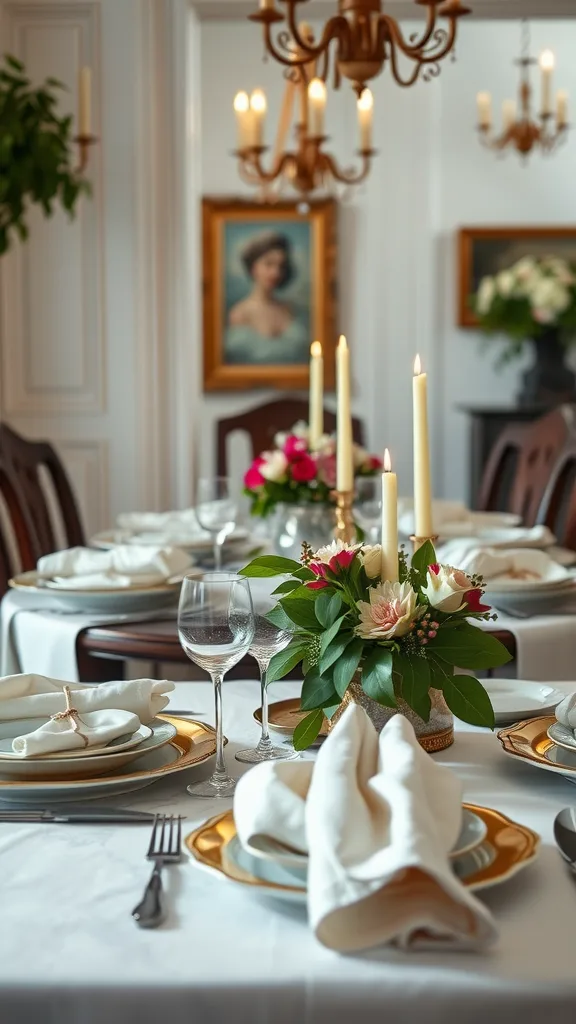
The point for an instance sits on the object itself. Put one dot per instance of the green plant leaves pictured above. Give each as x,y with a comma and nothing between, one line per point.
269,565
464,695
329,635
307,730
277,616
468,646
284,661
301,611
334,651
346,665
328,608
425,556
377,679
317,691
414,683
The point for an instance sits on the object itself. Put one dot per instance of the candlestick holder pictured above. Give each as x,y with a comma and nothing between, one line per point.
84,142
345,529
417,542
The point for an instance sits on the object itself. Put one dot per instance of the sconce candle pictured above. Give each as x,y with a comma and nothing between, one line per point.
85,102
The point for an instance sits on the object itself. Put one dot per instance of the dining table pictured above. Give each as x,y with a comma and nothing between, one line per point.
70,952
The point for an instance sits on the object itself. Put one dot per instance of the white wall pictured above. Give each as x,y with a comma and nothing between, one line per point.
397,233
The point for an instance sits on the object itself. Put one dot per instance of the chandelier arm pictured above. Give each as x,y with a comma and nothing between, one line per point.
426,35
336,27
278,167
350,177
396,71
441,38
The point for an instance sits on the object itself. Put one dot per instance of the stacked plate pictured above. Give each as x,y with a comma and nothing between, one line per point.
489,850
515,700
195,543
166,746
543,743
43,592
553,583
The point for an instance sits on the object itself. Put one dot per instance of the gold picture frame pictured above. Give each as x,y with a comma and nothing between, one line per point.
269,290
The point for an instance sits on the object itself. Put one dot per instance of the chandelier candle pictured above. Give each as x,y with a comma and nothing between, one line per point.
423,527
344,460
547,67
316,108
242,111
365,113
316,411
85,102
508,114
561,108
389,522
484,111
258,113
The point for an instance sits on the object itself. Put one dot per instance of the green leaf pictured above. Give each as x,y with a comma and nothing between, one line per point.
284,661
317,690
414,683
269,565
330,633
328,608
346,665
277,616
286,587
330,711
465,696
304,573
307,730
377,679
469,647
425,556
334,651
301,611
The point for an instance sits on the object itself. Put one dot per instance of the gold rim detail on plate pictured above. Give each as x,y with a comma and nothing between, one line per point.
514,845
530,740
20,583
194,743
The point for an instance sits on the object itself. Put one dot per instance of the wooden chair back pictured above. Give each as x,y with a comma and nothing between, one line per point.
18,544
558,506
520,464
27,460
264,421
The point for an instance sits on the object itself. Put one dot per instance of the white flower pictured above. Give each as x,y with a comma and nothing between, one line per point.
485,294
391,612
274,468
550,295
359,455
299,429
505,283
446,587
324,554
371,558
525,267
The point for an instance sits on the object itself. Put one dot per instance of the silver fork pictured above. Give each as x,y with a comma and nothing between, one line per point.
164,849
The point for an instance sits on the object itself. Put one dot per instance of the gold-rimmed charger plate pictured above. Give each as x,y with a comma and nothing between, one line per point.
529,740
508,848
284,716
193,744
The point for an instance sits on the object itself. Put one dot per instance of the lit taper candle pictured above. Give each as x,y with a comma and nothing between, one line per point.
316,107
258,113
484,104
344,457
389,569
242,111
316,409
423,526
365,106
547,67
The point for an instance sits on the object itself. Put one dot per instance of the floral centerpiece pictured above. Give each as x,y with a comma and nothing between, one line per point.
535,299
393,645
295,473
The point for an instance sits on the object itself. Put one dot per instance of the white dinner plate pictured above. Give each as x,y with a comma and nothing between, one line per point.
113,601
476,523
472,834
188,542
514,700
55,770
20,726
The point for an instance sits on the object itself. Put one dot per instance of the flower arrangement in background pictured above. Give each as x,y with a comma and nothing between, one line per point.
294,473
528,300
398,639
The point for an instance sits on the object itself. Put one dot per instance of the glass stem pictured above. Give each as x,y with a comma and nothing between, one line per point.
217,553
263,666
220,765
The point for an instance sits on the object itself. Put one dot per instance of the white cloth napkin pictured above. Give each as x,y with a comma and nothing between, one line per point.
97,727
378,818
566,712
122,566
515,564
454,551
34,696
163,526
545,645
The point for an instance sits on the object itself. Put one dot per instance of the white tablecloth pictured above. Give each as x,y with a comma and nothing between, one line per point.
71,954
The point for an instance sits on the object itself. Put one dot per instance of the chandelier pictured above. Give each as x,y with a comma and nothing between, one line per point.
307,167
361,38
521,129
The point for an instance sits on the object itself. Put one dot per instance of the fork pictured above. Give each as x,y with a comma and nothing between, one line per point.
164,849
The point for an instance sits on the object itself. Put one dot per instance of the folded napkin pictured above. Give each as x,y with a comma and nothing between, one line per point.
182,523
33,696
524,564
92,729
540,537
122,566
442,512
566,712
378,818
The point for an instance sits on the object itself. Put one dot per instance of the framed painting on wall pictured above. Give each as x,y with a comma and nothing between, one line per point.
269,286
486,251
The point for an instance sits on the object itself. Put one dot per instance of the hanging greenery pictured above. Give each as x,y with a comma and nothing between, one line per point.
37,152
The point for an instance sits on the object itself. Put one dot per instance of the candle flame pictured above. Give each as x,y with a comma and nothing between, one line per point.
241,102
317,90
258,101
417,366
315,348
366,100
547,60
387,461
342,343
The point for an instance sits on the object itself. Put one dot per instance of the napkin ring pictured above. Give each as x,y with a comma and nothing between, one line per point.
72,714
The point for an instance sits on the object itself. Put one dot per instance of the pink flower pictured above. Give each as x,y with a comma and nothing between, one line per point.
303,469
327,469
435,568
253,477
317,584
373,463
335,556
319,568
390,612
473,600
295,447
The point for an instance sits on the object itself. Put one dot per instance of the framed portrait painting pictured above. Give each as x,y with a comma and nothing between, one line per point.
269,291
484,251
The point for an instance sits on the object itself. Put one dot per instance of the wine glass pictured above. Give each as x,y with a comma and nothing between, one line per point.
268,640
215,628
216,511
368,504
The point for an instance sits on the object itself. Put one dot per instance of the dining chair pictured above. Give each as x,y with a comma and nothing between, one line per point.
520,464
18,543
42,477
558,506
264,421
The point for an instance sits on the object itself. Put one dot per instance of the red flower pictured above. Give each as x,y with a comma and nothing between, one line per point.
253,477
303,469
327,469
317,584
473,601
435,568
318,568
295,447
373,462
342,560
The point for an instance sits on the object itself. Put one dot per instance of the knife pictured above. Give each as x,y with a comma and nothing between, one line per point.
73,814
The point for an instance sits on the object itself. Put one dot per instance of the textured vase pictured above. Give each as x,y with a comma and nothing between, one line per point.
549,381
292,524
435,734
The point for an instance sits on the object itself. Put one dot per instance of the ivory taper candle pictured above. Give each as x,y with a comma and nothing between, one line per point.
344,457
316,409
561,108
258,113
389,569
85,102
242,110
365,106
423,526
316,107
484,109
547,67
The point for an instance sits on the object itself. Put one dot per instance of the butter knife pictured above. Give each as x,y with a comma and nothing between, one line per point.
76,814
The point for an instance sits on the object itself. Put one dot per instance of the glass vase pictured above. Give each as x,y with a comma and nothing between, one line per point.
293,524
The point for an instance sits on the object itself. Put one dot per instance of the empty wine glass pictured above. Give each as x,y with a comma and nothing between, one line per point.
216,511
215,628
368,504
268,640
